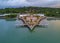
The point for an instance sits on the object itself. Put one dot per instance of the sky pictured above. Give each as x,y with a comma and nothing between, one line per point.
22,3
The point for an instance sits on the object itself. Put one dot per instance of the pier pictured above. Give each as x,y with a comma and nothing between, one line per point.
31,20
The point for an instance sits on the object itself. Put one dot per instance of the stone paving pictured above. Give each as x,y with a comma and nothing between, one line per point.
31,21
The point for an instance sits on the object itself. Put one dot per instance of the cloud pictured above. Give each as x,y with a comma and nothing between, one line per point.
21,3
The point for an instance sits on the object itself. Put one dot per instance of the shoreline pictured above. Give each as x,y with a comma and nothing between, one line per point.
53,18
48,18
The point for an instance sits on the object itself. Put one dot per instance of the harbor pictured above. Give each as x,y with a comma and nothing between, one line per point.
29,21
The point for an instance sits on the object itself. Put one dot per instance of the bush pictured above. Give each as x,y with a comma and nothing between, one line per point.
11,16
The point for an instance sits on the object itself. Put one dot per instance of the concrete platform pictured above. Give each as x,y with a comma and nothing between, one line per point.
31,20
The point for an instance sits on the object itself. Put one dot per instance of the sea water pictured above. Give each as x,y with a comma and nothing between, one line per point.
10,33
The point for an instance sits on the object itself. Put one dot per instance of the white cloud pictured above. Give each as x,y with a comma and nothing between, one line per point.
19,3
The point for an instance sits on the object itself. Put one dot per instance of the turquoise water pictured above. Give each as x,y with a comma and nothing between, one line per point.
9,33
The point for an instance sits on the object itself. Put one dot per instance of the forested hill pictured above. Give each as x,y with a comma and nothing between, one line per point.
46,11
